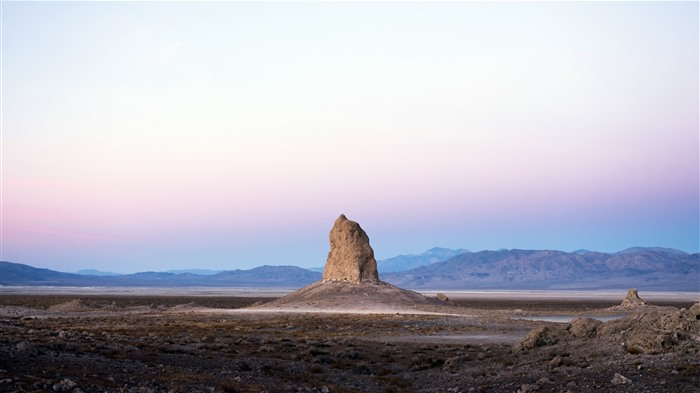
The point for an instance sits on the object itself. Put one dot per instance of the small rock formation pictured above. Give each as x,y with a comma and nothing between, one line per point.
442,297
351,258
632,300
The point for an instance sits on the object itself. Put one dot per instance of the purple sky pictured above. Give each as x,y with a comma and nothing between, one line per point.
152,136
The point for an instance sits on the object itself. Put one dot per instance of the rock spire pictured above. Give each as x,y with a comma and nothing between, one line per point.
632,300
351,258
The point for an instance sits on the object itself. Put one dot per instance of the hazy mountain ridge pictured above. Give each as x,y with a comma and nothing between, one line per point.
410,261
263,276
644,268
543,269
95,272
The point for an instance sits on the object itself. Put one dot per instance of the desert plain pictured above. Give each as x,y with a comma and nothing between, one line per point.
242,342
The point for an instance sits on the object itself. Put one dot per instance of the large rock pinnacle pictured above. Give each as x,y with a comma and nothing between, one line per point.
632,300
351,258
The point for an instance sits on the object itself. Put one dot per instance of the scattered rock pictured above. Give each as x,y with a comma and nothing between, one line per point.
351,258
64,386
266,348
619,379
452,364
525,388
27,348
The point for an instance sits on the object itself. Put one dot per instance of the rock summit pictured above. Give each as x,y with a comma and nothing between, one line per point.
351,258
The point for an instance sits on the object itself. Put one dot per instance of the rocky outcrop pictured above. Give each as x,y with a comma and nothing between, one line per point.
584,327
650,330
351,258
351,282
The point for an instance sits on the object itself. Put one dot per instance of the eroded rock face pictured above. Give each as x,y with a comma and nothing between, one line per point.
351,258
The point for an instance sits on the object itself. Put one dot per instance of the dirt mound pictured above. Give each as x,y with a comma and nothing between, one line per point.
75,305
342,296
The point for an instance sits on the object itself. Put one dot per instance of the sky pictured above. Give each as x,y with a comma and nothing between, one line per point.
226,135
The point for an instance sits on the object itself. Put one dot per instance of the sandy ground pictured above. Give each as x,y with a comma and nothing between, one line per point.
160,342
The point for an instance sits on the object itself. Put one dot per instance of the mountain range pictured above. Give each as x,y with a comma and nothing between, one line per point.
643,268
437,269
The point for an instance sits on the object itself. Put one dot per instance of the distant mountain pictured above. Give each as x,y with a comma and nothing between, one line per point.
201,272
270,275
659,249
410,261
264,276
93,272
582,251
649,269
18,274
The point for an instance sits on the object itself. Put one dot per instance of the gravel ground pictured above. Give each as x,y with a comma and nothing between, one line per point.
202,344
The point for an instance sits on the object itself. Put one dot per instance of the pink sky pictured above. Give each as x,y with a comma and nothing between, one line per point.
149,136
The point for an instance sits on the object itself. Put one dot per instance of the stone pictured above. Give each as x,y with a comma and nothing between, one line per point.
351,258
632,300
525,388
442,297
65,385
619,379
555,362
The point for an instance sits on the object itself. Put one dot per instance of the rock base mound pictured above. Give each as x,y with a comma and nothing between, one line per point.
351,282
370,297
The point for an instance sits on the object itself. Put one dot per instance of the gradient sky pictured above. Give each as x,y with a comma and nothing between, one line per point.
152,136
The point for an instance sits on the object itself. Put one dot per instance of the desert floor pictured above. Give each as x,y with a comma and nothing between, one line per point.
158,343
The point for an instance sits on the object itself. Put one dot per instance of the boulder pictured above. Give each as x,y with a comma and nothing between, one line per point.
584,327
538,337
351,258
